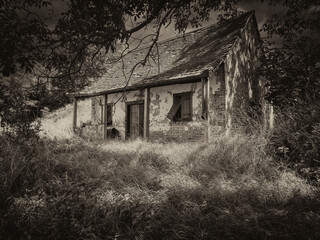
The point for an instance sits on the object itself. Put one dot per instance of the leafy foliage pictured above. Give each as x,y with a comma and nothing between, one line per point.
85,31
17,111
63,56
23,36
22,104
296,137
292,66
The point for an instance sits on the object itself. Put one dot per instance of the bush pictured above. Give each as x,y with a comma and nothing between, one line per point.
17,111
295,138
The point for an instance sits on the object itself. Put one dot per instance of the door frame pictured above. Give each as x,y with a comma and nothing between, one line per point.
127,120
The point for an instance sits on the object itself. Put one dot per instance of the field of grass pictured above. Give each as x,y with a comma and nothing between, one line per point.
227,189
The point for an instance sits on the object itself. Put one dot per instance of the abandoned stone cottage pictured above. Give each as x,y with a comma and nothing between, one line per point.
190,91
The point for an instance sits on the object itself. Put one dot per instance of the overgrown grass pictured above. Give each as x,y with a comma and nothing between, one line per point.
228,189
295,138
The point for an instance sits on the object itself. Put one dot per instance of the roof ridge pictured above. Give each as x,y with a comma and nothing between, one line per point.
206,54
194,31
175,37
252,13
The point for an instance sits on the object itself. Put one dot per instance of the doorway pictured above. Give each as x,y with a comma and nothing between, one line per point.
135,119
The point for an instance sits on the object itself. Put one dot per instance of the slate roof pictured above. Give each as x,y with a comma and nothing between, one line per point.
184,57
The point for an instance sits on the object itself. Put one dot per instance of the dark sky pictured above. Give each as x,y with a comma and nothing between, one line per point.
262,11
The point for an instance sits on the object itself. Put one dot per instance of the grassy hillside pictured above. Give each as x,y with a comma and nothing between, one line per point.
59,124
228,189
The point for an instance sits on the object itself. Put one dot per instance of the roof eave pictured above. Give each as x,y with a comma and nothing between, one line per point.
171,81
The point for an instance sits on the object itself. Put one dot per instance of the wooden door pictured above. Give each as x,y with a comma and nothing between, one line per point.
135,120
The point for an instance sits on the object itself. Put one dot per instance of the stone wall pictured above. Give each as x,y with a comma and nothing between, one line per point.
217,99
161,99
162,128
243,86
234,86
180,132
97,110
119,101
94,128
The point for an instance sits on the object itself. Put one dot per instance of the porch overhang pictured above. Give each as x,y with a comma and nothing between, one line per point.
190,78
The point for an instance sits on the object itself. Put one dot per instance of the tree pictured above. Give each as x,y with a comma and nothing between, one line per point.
86,29
90,29
292,70
292,67
24,36
75,48
17,111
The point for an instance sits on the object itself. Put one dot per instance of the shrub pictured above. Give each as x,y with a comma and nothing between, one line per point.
17,110
295,138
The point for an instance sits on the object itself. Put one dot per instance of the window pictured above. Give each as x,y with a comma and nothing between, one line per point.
181,109
97,111
109,115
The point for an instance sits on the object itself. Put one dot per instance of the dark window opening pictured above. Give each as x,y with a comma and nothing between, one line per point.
181,109
178,115
109,115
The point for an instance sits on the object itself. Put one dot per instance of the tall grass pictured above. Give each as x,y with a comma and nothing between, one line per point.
295,138
227,189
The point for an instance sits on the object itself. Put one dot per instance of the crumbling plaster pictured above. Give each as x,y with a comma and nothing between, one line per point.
83,111
241,74
118,100
161,100
233,86
94,127
217,100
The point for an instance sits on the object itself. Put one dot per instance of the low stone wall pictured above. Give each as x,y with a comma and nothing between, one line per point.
180,132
